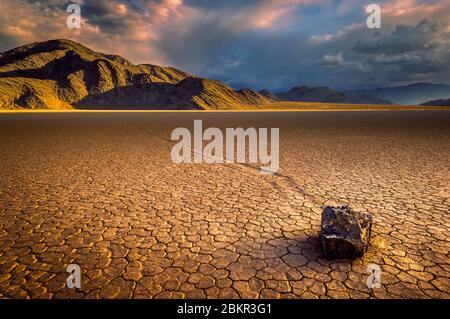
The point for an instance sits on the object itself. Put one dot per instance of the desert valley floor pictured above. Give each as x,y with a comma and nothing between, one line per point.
100,190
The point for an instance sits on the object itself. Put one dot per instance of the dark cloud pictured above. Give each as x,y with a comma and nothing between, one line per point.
425,36
105,14
272,44
408,53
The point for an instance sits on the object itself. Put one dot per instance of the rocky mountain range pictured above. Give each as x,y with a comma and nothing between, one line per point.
412,94
62,74
440,102
322,94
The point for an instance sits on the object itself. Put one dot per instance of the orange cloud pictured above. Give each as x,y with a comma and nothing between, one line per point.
122,9
134,38
164,11
408,7
272,11
121,28
412,11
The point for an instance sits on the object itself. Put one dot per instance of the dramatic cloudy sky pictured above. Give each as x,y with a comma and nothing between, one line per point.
272,44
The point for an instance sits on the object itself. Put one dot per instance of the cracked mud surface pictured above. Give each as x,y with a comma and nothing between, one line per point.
100,190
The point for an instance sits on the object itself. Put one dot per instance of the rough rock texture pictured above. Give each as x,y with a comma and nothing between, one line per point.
344,233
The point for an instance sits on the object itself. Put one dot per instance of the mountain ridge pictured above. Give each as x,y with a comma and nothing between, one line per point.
411,94
63,74
439,102
321,94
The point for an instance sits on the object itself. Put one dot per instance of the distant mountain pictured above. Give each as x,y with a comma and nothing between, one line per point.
441,102
269,95
413,94
322,94
308,94
62,74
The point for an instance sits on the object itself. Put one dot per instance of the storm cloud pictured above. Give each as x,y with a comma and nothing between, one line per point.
273,44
